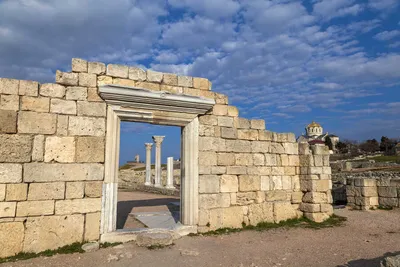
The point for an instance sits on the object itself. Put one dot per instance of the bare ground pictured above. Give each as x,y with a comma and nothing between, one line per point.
361,241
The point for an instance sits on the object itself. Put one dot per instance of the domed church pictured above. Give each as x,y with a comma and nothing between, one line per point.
315,135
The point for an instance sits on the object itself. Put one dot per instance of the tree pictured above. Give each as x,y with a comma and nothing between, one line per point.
342,147
370,146
328,142
385,144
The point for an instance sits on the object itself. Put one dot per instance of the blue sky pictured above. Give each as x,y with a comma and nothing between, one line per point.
288,62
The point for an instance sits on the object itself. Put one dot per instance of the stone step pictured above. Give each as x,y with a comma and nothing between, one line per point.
154,239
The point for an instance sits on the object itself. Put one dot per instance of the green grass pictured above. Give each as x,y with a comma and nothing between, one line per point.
303,222
107,245
155,247
386,159
384,207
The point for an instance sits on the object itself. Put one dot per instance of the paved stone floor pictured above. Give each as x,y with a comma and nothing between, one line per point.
141,209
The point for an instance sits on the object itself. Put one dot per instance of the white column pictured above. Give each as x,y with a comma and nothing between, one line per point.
148,163
157,180
170,173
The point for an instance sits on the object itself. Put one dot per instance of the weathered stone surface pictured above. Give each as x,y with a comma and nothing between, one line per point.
104,80
93,189
220,110
387,191
137,74
210,201
207,158
284,211
92,226
35,208
231,217
229,183
233,111
278,195
263,212
2,192
84,205
148,85
16,192
96,68
66,78
42,172
123,82
211,144
241,146
225,121
52,90
10,173
37,123
388,202
63,106
277,148
119,71
154,76
90,149
236,170
318,217
185,81
76,93
226,159
201,83
92,95
247,134
154,239
249,183
209,184
62,125
29,88
51,232
392,261
242,123
229,133
308,207
15,148
91,109
218,170
91,246
9,102
59,149
7,209
86,126
243,159
9,86
257,124
171,89
208,120
79,65
38,148
11,238
38,104
46,191
315,197
74,190
8,121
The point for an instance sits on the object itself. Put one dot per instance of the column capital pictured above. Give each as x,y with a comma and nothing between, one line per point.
148,145
158,139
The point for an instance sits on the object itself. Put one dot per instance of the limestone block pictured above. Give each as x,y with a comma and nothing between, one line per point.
137,74
208,120
238,146
265,182
16,192
42,172
205,170
15,148
294,160
366,182
229,183
35,208
291,148
284,159
309,207
321,185
74,190
59,149
231,217
218,170
319,150
327,208
204,217
296,182
229,133
245,198
155,76
94,109
93,189
7,209
277,148
263,212
209,184
242,159
304,149
249,183
11,238
315,197
236,170
66,78
220,98
118,71
271,159
258,159
51,232
9,86
315,170
90,149
286,182
204,130
171,89
76,93
257,124
86,126
8,121
369,191
63,106
201,83
62,125
388,202
283,210
185,81
123,82
278,195
260,146
264,135
207,158
241,123
220,110
148,86
258,170
104,80
37,123
247,134
211,144
289,170
84,205
96,68
29,88
233,111
9,102
211,201
38,104
226,159
52,90
10,173
387,191
2,192
297,197
278,171
275,182
92,95
46,191
79,65
225,121
92,226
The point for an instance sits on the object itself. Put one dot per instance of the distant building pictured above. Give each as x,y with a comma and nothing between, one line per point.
315,135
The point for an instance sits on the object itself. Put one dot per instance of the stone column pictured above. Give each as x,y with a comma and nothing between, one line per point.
148,163
170,173
158,140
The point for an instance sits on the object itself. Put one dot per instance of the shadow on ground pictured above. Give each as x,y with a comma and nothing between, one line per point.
375,262
125,207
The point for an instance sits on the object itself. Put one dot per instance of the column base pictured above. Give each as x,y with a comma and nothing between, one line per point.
170,187
148,184
158,185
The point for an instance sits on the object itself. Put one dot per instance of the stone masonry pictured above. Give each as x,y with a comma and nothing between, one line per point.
52,157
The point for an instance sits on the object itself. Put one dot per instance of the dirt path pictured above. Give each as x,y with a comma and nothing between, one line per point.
364,238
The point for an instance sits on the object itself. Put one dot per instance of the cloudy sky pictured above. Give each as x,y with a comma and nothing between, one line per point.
288,62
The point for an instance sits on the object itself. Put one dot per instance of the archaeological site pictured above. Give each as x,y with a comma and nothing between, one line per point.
59,159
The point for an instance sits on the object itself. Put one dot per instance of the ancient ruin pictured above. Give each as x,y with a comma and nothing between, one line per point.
59,158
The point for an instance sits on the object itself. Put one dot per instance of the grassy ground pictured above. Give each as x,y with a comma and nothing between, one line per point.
387,159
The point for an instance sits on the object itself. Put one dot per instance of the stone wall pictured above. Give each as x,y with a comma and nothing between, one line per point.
52,155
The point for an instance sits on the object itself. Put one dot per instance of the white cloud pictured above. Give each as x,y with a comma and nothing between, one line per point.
328,9
383,4
209,8
387,35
